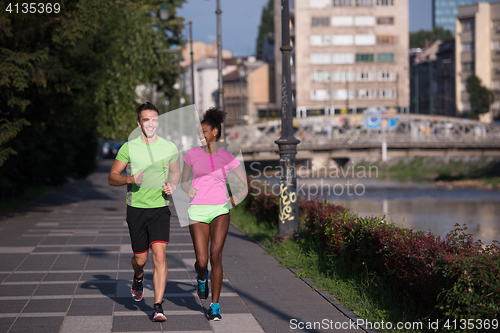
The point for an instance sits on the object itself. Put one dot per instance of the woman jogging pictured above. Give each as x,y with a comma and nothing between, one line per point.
209,208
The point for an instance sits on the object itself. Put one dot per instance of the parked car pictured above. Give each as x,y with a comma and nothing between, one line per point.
109,149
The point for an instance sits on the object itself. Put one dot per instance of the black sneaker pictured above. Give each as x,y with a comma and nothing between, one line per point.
202,288
137,289
158,314
214,312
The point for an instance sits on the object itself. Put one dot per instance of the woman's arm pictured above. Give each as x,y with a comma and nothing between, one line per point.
186,174
242,176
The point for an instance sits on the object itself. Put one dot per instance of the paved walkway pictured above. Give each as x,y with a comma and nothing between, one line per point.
65,267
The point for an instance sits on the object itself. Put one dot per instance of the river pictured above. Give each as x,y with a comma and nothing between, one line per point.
417,206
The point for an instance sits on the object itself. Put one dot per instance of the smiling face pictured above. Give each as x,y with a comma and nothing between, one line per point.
148,121
207,134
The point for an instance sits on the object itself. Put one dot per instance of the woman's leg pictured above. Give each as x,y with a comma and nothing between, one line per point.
200,234
219,228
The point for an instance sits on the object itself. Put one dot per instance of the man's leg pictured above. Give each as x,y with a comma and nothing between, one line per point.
160,273
138,262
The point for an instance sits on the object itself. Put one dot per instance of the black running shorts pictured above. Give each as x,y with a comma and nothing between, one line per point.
148,226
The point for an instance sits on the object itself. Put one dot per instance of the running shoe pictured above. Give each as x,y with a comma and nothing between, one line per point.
214,312
137,289
202,288
158,314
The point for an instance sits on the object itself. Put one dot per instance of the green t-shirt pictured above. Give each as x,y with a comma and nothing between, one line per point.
154,158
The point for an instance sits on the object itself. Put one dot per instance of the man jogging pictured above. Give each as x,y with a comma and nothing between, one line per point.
151,161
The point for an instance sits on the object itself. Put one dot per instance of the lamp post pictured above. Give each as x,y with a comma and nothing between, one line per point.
289,208
219,68
164,14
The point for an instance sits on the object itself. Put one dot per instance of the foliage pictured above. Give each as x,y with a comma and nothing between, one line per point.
453,277
266,25
479,95
68,78
418,39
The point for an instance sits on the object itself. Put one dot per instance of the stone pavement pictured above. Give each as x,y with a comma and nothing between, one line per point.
65,267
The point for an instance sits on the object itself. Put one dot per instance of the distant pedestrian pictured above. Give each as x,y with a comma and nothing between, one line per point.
208,213
152,160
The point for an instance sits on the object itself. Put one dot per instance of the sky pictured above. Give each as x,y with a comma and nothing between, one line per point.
241,18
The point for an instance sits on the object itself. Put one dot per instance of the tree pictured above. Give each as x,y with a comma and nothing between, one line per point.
266,26
68,78
479,96
417,39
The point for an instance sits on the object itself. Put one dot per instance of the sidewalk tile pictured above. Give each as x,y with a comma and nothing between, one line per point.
37,325
91,307
93,324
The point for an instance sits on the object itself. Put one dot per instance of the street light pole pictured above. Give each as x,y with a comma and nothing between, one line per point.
192,58
289,208
219,69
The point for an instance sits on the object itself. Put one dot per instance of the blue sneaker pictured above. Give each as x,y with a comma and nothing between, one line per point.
214,312
202,288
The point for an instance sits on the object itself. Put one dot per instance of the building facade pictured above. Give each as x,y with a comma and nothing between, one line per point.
246,90
350,56
444,12
432,79
477,51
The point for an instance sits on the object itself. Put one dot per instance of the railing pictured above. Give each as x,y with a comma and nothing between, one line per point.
366,131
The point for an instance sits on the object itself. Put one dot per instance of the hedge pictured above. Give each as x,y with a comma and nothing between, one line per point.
453,277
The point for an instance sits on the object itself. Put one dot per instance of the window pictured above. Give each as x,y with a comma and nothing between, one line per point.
385,57
385,2
320,58
495,85
320,21
364,40
385,40
385,20
466,106
343,40
341,94
341,76
364,3
365,76
468,67
364,57
342,21
320,40
342,3
386,94
467,47
468,25
366,94
386,76
320,76
319,3
320,95
364,21
343,58
495,45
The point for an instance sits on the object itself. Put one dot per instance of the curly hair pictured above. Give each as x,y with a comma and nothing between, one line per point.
214,117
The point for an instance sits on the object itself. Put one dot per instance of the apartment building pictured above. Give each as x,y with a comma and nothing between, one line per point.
246,90
477,51
350,55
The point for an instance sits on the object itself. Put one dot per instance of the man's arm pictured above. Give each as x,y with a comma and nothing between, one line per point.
115,177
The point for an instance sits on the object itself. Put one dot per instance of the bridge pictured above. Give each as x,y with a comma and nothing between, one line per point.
345,136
